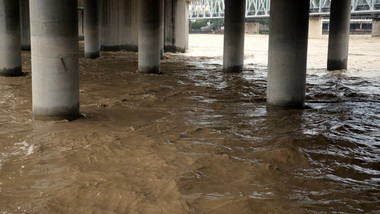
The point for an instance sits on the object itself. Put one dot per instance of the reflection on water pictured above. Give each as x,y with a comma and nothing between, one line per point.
194,140
324,158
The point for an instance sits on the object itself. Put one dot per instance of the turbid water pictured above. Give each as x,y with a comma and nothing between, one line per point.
196,140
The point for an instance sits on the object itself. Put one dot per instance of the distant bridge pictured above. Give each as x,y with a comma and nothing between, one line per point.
211,9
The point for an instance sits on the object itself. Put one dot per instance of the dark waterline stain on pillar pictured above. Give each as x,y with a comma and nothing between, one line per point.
57,113
336,64
133,48
25,47
287,105
174,49
93,55
12,72
150,70
233,69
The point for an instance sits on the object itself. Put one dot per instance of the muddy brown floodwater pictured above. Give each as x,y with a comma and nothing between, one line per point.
196,140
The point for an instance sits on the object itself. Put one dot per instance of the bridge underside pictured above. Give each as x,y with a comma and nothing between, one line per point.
149,27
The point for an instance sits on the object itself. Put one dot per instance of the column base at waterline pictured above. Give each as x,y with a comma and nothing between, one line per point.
25,47
133,48
333,65
12,72
56,113
92,55
233,69
174,49
150,69
283,104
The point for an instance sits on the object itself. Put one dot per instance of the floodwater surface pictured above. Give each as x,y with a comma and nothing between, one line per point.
196,140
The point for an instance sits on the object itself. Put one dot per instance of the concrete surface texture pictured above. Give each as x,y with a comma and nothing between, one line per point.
288,41
25,24
54,36
92,28
119,25
176,25
234,23
10,45
339,35
150,36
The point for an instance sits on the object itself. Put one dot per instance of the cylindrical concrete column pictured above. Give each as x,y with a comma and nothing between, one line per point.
176,25
287,53
55,79
10,41
80,24
133,31
25,25
119,25
149,36
340,14
234,32
91,29
162,29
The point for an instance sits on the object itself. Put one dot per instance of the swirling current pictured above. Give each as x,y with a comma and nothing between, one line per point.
197,140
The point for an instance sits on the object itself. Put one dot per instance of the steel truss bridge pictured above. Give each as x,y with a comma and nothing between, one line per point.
210,9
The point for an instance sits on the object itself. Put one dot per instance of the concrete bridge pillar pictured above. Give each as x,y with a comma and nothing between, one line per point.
119,25
339,34
110,40
252,27
10,41
376,27
25,25
81,24
149,42
91,29
315,27
233,57
132,28
162,29
55,81
287,53
176,26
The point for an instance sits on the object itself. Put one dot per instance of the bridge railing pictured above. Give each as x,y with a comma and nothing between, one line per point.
208,9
